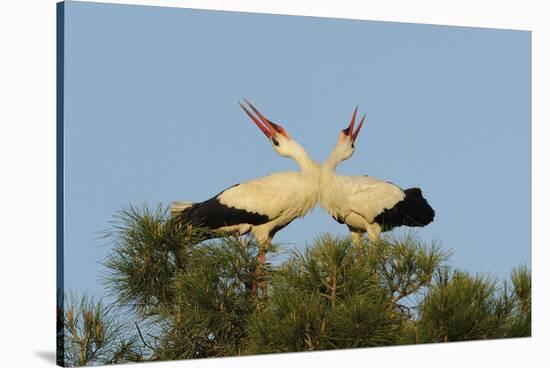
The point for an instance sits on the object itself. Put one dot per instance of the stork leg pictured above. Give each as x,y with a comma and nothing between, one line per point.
356,237
373,231
263,241
260,271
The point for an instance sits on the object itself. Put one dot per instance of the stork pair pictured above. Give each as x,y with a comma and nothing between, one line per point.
266,205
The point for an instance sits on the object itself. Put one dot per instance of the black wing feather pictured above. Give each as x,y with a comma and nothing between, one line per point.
213,215
413,210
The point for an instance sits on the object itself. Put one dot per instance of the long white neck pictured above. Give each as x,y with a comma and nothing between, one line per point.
303,160
332,161
330,196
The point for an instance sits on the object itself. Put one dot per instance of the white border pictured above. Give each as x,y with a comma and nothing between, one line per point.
27,195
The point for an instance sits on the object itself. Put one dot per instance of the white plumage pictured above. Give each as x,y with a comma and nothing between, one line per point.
265,205
367,196
367,204
283,196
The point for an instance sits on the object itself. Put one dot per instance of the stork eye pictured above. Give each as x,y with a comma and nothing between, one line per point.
275,142
352,145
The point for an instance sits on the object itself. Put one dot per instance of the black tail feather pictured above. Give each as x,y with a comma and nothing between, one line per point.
211,214
414,210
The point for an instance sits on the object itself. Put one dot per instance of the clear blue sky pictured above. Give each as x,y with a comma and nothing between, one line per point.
151,115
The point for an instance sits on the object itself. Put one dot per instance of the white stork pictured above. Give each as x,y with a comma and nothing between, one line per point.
364,203
260,206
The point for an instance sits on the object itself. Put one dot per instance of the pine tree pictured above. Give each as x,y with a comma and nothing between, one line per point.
186,293
462,307
93,334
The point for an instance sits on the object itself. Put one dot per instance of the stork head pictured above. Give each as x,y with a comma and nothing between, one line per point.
345,146
280,140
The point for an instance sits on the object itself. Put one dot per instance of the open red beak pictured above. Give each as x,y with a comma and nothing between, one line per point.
349,130
267,127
